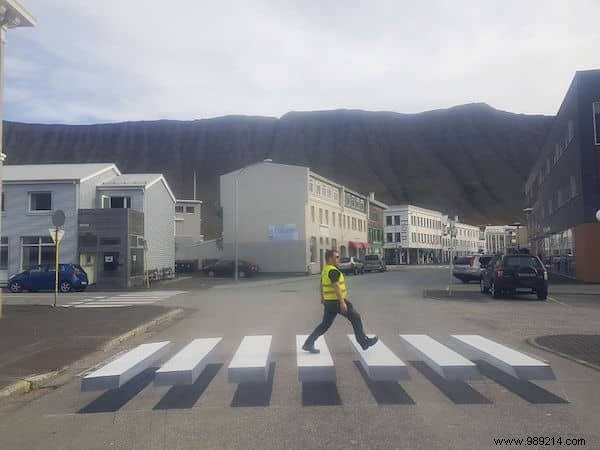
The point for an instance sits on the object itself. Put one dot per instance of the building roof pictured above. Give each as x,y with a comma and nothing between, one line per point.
137,180
54,172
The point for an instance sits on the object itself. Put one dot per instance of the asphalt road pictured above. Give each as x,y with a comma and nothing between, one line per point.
423,413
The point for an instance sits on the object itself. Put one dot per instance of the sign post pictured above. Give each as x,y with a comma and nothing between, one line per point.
58,220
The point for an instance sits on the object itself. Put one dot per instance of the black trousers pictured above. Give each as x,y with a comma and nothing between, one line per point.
330,310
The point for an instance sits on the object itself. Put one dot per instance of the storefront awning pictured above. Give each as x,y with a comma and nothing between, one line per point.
359,245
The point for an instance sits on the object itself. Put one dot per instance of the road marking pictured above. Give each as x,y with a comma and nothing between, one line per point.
125,299
508,360
314,367
186,366
251,360
556,301
379,362
117,372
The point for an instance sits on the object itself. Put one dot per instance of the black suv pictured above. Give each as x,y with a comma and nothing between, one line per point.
504,274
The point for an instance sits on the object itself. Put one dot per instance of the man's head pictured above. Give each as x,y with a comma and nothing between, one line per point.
332,256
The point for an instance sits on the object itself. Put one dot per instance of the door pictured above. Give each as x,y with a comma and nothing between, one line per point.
88,263
40,278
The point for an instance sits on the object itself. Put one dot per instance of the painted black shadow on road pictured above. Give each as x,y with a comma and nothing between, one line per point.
115,399
184,397
255,394
323,393
459,392
525,389
385,392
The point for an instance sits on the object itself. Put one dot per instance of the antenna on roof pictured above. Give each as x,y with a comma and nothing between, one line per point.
194,185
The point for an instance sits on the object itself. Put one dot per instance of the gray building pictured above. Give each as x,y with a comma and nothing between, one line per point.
563,188
33,192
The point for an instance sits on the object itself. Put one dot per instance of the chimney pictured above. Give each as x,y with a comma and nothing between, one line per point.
371,195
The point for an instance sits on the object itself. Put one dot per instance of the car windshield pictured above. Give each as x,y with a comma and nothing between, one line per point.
462,261
344,260
522,261
371,258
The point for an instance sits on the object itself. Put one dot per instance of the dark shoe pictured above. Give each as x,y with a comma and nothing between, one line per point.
310,349
370,342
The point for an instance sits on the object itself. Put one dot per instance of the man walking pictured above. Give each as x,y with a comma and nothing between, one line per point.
333,298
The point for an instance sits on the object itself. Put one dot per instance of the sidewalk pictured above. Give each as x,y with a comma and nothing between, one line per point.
36,340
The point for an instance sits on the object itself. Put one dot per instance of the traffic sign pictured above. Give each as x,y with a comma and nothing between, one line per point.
52,232
58,218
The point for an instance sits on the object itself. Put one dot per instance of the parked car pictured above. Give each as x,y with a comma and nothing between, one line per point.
506,274
226,267
351,264
374,263
468,268
71,277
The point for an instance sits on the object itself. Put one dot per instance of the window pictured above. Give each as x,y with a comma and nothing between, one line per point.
335,195
597,123
388,220
318,189
40,201
327,241
559,198
396,220
550,207
359,225
310,186
110,241
120,202
4,253
573,186
354,223
327,217
389,237
333,219
37,250
340,219
312,213
178,209
334,244
188,209
320,215
313,249
398,238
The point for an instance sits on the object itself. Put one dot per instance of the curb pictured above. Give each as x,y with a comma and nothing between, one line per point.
533,343
28,384
166,317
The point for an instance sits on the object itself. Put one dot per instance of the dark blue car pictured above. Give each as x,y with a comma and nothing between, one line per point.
71,277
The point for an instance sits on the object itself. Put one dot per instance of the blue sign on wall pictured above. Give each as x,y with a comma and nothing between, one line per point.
283,232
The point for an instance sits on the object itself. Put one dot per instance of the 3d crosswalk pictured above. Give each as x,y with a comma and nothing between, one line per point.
252,359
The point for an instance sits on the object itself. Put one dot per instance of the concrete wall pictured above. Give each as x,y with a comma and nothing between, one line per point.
269,194
159,226
18,222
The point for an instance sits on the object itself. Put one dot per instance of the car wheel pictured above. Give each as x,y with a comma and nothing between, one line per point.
542,295
495,292
15,287
242,274
211,273
482,288
65,287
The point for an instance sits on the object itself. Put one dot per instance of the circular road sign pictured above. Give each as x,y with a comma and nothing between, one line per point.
58,218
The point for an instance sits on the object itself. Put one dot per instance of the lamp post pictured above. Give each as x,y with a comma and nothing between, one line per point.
12,15
235,207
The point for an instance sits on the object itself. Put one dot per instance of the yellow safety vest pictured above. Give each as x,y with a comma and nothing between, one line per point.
328,289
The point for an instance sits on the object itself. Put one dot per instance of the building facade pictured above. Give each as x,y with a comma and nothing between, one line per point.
499,239
32,193
376,224
288,216
563,187
412,235
188,233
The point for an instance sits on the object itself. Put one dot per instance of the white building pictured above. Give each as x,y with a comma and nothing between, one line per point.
188,233
287,216
469,240
412,235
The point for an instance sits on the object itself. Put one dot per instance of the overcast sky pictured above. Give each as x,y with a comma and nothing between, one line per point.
114,60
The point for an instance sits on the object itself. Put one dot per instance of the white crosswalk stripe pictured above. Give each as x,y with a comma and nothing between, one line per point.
122,300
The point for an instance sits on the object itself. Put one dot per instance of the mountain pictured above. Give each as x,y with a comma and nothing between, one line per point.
470,160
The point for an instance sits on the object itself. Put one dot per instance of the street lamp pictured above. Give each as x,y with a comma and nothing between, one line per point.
235,206
12,15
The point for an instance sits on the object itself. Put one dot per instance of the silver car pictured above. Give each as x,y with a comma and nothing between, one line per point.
468,268
351,265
